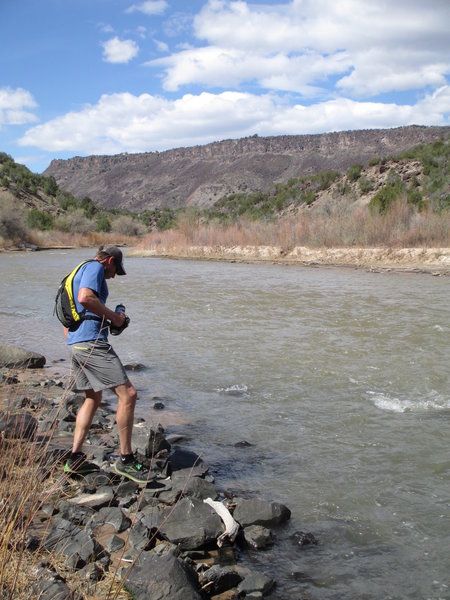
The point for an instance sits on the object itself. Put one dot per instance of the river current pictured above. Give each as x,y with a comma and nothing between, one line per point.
338,378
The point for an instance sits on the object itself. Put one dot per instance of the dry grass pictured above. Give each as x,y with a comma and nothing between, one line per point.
400,227
27,482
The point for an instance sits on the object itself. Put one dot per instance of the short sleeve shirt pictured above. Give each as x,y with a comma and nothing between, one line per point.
92,276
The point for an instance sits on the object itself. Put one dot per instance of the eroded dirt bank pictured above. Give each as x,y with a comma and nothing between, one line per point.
426,260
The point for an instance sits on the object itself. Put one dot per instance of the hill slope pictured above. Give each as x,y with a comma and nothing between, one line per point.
200,175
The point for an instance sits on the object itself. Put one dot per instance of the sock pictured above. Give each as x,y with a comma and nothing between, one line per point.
126,458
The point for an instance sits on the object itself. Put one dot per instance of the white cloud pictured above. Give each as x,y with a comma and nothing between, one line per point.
150,7
369,48
127,123
13,105
119,51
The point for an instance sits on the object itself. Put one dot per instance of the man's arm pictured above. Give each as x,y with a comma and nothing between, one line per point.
91,302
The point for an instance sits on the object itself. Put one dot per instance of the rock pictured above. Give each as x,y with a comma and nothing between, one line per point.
256,582
190,523
114,543
134,366
16,358
113,516
260,512
156,442
48,585
19,426
158,406
220,579
102,497
258,537
75,544
184,459
300,538
161,578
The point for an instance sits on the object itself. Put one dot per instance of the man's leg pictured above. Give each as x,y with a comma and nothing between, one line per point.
126,394
84,418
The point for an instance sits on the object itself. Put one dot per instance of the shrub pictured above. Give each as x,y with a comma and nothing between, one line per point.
12,221
365,184
354,172
415,198
75,222
103,223
126,225
39,219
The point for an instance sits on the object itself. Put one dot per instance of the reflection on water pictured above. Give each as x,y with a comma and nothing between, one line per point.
338,380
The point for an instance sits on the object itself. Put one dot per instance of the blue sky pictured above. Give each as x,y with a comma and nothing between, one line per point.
82,77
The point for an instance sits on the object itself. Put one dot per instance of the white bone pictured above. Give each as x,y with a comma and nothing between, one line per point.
231,526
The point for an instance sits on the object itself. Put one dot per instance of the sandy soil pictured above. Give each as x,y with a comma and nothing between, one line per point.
425,260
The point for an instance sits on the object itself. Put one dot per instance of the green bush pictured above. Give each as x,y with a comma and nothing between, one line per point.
103,223
365,184
39,219
354,172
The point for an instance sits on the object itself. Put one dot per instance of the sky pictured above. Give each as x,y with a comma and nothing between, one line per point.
84,77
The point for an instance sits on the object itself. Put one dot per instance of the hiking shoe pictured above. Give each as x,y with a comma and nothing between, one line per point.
134,470
77,464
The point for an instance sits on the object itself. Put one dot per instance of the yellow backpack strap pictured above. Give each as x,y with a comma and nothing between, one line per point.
69,289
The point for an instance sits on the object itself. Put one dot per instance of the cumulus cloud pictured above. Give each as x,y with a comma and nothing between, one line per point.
128,123
119,51
13,106
150,7
368,48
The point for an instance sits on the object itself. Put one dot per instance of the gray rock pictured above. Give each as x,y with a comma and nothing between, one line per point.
161,578
75,544
156,442
19,426
260,512
113,516
191,523
114,543
17,358
102,497
256,582
220,579
258,537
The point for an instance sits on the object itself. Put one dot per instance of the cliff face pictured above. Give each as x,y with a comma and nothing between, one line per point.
200,175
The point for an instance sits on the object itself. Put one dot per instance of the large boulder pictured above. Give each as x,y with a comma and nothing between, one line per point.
13,357
21,426
260,512
191,523
161,578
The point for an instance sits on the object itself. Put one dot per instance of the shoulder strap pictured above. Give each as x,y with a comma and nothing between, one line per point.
69,289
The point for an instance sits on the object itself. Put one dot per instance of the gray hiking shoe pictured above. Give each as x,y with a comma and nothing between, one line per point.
134,470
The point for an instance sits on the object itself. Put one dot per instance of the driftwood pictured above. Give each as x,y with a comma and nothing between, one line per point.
231,526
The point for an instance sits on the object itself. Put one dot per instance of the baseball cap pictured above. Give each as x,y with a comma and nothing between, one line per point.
116,253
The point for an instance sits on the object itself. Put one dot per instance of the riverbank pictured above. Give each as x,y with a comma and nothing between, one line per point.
178,537
422,260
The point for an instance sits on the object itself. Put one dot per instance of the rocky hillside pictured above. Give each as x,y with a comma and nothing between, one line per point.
201,175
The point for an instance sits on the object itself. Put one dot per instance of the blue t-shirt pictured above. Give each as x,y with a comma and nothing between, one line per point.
92,276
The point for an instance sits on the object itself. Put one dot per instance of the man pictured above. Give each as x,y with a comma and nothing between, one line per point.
97,367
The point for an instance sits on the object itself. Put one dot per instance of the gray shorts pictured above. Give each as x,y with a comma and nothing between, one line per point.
95,366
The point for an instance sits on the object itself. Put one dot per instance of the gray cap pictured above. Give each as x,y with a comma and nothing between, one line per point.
116,253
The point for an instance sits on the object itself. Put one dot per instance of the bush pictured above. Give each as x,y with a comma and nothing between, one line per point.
12,221
354,172
39,219
75,222
103,223
127,226
365,184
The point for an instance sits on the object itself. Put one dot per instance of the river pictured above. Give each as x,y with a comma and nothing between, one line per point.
338,378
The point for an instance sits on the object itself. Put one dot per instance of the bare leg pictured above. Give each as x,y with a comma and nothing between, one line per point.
126,395
84,418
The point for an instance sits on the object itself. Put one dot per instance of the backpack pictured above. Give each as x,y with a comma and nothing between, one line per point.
65,306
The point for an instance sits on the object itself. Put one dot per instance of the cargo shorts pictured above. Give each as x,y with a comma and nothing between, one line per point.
95,366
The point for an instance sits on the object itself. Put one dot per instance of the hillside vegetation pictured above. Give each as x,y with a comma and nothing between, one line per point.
397,201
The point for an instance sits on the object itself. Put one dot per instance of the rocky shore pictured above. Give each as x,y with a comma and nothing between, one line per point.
177,538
